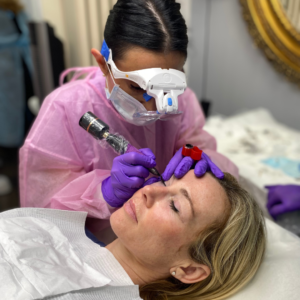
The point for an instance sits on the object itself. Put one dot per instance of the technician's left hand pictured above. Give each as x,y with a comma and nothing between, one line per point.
180,165
283,199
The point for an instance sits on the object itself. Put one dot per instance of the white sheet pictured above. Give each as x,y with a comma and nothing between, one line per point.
278,278
251,137
37,260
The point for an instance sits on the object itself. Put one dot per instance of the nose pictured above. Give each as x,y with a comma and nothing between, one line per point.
153,193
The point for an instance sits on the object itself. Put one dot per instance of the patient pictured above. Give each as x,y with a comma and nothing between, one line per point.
196,238
193,239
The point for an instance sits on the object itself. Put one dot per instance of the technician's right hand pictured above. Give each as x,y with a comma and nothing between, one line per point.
128,174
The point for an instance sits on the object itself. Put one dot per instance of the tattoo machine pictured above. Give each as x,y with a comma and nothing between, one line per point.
100,131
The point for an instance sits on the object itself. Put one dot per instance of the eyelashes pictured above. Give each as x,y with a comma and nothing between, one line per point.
136,88
173,207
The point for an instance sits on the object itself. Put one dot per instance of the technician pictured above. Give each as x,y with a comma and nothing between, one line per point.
140,92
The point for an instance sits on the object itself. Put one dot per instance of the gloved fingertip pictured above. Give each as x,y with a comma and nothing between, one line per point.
180,172
166,176
183,167
148,152
199,172
152,163
179,175
200,168
151,181
218,173
148,162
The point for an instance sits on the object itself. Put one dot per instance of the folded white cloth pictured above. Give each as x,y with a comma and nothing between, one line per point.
45,253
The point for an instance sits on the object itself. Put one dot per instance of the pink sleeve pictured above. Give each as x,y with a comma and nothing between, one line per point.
84,194
192,132
56,170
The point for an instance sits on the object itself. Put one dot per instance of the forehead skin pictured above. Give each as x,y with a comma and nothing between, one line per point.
138,58
208,196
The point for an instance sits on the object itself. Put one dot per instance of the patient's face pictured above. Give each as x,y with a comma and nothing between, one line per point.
158,223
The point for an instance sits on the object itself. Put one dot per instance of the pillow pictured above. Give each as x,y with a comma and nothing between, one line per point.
278,277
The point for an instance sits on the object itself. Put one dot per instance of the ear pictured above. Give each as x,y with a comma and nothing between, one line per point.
191,273
100,60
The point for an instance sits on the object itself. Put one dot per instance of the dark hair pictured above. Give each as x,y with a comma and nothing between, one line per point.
156,25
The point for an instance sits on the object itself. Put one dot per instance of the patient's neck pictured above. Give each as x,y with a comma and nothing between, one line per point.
135,269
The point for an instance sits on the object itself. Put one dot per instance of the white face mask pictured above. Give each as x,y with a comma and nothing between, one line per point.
132,110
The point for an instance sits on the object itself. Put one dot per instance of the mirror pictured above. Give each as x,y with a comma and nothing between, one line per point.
275,27
292,12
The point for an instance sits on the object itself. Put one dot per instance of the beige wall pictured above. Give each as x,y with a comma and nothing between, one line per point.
53,13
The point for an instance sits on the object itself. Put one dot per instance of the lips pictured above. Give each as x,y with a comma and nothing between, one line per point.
130,209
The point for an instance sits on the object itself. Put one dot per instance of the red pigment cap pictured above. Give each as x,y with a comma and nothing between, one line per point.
187,150
194,152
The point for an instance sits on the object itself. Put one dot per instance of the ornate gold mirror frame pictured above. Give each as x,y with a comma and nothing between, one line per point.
275,35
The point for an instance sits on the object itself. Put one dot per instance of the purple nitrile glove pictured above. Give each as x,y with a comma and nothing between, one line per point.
283,199
128,174
180,165
151,181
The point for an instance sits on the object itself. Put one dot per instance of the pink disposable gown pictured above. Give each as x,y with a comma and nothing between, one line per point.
62,166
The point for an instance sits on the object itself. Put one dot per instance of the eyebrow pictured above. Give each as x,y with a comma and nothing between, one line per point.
187,196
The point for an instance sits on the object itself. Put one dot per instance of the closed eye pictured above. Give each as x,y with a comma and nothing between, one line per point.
136,87
172,205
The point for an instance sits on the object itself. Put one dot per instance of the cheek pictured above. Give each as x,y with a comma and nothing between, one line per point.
163,226
161,239
125,86
150,105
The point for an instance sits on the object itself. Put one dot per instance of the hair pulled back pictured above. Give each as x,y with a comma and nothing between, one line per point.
156,25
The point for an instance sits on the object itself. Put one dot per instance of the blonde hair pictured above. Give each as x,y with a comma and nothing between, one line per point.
14,5
233,249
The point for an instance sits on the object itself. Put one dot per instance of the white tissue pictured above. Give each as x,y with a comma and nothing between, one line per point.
37,260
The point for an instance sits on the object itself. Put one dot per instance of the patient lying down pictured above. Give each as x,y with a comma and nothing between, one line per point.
196,238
